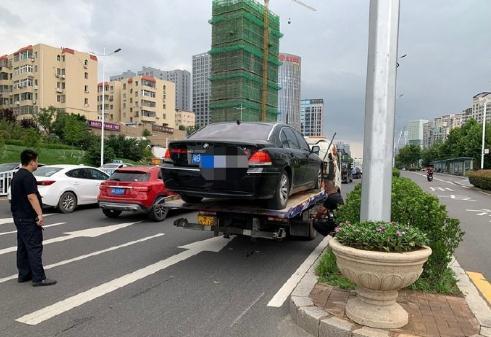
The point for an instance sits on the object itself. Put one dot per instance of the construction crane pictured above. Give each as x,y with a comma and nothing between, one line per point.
264,98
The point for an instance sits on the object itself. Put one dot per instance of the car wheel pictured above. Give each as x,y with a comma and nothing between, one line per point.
158,212
190,199
111,213
280,198
67,203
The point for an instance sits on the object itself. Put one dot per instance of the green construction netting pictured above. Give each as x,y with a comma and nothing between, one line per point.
253,7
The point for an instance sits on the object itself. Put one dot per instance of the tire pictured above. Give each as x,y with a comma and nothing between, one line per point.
190,199
158,212
111,213
67,203
281,194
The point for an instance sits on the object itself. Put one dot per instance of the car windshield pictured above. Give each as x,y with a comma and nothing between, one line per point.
244,131
130,176
8,167
47,171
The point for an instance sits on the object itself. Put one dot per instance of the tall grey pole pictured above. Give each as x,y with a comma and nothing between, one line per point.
379,110
483,135
103,108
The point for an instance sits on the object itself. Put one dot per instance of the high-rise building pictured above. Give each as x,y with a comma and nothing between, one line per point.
289,94
122,76
201,88
41,76
415,132
244,69
144,100
480,102
437,130
311,116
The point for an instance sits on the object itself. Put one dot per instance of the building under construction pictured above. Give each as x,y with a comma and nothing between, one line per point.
244,83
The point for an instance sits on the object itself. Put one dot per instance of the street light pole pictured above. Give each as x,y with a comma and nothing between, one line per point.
379,110
483,135
241,108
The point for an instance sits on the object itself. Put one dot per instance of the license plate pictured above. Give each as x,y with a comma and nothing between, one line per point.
206,220
117,191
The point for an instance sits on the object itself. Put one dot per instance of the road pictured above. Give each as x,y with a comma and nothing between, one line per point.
473,208
133,277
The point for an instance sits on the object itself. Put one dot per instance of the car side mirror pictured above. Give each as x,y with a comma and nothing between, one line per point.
315,149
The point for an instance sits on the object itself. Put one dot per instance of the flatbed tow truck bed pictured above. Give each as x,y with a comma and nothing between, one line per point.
247,218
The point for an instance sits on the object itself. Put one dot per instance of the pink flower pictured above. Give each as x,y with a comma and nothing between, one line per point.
399,234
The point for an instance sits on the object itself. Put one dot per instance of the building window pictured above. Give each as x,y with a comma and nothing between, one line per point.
63,58
86,101
131,100
136,83
86,75
131,91
86,88
86,62
58,58
124,86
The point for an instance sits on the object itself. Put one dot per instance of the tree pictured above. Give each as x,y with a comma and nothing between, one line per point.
7,115
93,154
45,118
31,138
28,123
191,129
146,133
409,156
182,128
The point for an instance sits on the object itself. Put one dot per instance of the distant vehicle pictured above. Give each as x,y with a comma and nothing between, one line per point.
356,172
269,161
138,189
323,143
109,168
346,176
68,186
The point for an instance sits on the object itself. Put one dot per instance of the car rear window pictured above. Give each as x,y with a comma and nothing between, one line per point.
129,176
46,171
244,131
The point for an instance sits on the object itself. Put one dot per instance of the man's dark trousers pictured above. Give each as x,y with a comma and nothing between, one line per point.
29,250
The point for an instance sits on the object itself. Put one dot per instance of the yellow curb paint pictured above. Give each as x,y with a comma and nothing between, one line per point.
482,284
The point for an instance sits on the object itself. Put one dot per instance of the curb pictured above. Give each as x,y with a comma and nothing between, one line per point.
319,323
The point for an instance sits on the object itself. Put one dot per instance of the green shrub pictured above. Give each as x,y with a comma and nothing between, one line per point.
328,271
381,236
396,172
411,206
481,179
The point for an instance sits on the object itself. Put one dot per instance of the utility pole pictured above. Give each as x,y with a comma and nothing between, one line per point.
483,136
379,110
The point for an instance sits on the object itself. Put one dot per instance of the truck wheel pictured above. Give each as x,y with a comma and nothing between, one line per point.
111,213
280,198
190,199
158,212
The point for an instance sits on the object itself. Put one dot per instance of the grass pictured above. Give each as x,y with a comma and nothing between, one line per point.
328,272
11,153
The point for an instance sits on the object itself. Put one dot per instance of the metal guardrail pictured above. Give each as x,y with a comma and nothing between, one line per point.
5,179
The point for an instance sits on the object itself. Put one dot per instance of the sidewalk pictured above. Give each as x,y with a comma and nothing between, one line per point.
320,310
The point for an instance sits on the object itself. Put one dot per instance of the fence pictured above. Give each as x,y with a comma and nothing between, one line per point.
5,179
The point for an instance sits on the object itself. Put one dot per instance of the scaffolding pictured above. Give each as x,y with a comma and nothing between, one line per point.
238,64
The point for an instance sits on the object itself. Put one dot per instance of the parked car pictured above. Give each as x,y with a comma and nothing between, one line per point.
134,189
67,186
242,160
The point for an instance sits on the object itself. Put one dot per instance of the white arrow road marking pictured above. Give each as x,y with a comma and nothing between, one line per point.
215,244
82,257
45,226
280,297
4,221
483,211
90,233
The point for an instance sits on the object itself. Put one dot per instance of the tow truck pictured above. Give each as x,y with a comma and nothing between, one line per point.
247,218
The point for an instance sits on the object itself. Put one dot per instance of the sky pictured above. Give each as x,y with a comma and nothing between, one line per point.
447,42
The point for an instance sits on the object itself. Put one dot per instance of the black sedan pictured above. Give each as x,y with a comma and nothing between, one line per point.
244,161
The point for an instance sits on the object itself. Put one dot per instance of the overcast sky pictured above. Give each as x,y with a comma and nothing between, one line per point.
447,42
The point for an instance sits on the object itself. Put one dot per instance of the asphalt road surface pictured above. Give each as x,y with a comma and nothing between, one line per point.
133,277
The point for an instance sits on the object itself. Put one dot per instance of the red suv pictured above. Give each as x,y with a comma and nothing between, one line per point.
134,189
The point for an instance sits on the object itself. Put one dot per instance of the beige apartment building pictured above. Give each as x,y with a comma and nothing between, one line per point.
40,76
143,100
185,118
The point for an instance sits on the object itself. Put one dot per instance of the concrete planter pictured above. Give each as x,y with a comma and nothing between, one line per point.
378,276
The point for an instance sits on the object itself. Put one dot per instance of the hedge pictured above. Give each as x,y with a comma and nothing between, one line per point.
481,179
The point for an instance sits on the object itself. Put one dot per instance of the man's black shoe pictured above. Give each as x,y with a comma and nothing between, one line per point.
24,279
43,283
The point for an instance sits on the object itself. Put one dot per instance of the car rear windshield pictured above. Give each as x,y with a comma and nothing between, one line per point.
130,176
7,167
46,171
233,131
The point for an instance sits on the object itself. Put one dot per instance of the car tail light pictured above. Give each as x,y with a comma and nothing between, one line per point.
179,151
260,158
167,157
46,182
142,188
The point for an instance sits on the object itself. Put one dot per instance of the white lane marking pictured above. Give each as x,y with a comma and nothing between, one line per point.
82,257
215,244
246,310
457,197
4,221
443,189
281,296
46,226
483,211
90,232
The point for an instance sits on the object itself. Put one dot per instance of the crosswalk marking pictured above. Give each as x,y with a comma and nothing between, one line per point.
82,257
45,226
5,221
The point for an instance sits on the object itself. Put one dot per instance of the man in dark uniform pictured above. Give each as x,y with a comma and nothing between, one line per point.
28,218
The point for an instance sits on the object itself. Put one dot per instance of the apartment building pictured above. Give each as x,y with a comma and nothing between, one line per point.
39,76
311,116
185,119
437,130
112,101
480,102
201,88
144,100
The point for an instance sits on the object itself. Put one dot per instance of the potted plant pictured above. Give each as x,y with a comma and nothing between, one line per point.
380,258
